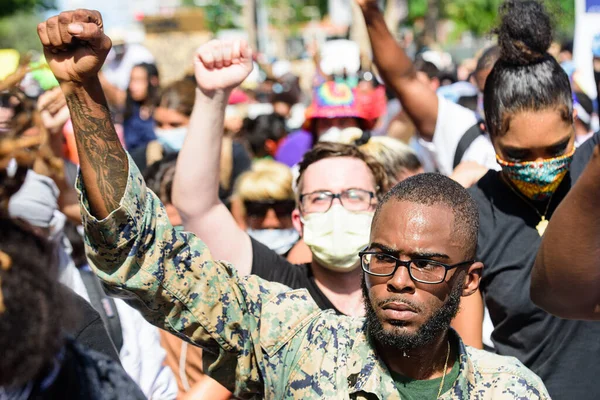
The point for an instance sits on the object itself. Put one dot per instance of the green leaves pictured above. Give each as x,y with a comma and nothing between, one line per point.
10,7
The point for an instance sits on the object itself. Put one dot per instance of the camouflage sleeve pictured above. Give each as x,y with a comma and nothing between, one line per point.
169,276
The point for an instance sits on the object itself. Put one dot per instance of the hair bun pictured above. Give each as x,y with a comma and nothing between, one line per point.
525,32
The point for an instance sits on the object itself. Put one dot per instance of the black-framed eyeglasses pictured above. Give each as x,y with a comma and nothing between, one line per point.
351,199
420,270
259,209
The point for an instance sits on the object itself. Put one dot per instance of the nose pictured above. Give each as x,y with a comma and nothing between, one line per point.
401,282
271,220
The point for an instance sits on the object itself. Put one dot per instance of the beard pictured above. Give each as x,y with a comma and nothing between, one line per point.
437,324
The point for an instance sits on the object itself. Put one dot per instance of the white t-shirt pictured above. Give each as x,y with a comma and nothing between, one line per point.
453,121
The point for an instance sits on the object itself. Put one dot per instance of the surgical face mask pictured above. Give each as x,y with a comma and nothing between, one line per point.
537,180
336,237
279,240
171,139
333,134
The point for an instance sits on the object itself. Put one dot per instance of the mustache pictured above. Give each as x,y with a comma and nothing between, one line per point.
399,300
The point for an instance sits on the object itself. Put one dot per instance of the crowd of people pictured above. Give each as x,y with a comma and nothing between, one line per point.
424,230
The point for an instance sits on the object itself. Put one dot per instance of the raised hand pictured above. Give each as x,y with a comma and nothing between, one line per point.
75,45
222,65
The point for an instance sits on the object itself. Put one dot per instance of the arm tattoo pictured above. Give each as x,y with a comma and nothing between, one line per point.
98,142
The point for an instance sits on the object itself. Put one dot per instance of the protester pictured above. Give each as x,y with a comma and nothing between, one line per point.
135,106
137,342
565,278
258,328
37,314
584,108
267,201
172,117
529,115
335,231
440,123
264,134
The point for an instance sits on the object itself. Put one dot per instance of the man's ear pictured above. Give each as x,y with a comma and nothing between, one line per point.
297,222
472,278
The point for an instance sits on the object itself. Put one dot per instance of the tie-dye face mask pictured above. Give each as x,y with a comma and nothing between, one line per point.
537,180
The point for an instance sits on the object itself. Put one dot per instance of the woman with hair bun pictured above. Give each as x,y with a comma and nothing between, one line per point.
529,115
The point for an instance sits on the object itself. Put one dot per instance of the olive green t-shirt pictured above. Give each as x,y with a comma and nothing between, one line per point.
411,389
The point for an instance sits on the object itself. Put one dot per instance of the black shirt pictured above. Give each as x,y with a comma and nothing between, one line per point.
563,353
89,330
272,267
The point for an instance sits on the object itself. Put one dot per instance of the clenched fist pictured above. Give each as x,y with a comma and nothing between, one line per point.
75,45
222,65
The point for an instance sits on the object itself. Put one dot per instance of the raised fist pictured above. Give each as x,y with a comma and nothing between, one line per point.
222,65
75,45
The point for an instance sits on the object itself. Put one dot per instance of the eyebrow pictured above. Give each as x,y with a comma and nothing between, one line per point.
418,254
561,142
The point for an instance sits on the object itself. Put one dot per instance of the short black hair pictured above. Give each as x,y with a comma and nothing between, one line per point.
433,188
427,67
526,77
262,128
488,58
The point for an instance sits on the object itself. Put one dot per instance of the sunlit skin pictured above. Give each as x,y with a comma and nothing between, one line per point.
408,230
323,124
535,136
335,174
138,84
166,118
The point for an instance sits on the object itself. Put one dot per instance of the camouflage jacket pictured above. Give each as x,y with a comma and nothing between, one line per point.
263,339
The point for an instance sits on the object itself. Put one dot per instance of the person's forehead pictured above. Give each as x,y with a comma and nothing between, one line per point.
535,129
338,173
164,114
412,227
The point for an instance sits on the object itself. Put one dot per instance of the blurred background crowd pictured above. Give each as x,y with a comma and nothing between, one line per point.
314,80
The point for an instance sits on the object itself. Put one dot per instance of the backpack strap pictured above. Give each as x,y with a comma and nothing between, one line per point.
104,305
465,141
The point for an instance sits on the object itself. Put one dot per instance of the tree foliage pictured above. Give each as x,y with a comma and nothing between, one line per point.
19,32
11,7
480,16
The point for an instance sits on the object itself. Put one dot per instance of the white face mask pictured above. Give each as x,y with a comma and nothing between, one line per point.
336,237
278,240
171,139
333,134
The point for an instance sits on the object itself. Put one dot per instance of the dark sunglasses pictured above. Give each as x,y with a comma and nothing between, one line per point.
283,208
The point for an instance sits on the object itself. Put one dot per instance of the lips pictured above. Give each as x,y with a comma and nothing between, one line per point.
399,311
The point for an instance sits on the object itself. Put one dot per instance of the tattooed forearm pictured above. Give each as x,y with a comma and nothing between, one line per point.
103,159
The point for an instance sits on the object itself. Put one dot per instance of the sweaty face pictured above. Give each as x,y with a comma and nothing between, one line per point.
170,119
535,135
138,84
402,313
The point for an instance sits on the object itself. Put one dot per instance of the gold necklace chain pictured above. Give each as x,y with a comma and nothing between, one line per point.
541,226
445,369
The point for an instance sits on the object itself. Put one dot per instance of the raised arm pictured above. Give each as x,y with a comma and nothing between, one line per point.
566,277
169,276
398,72
220,66
75,47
